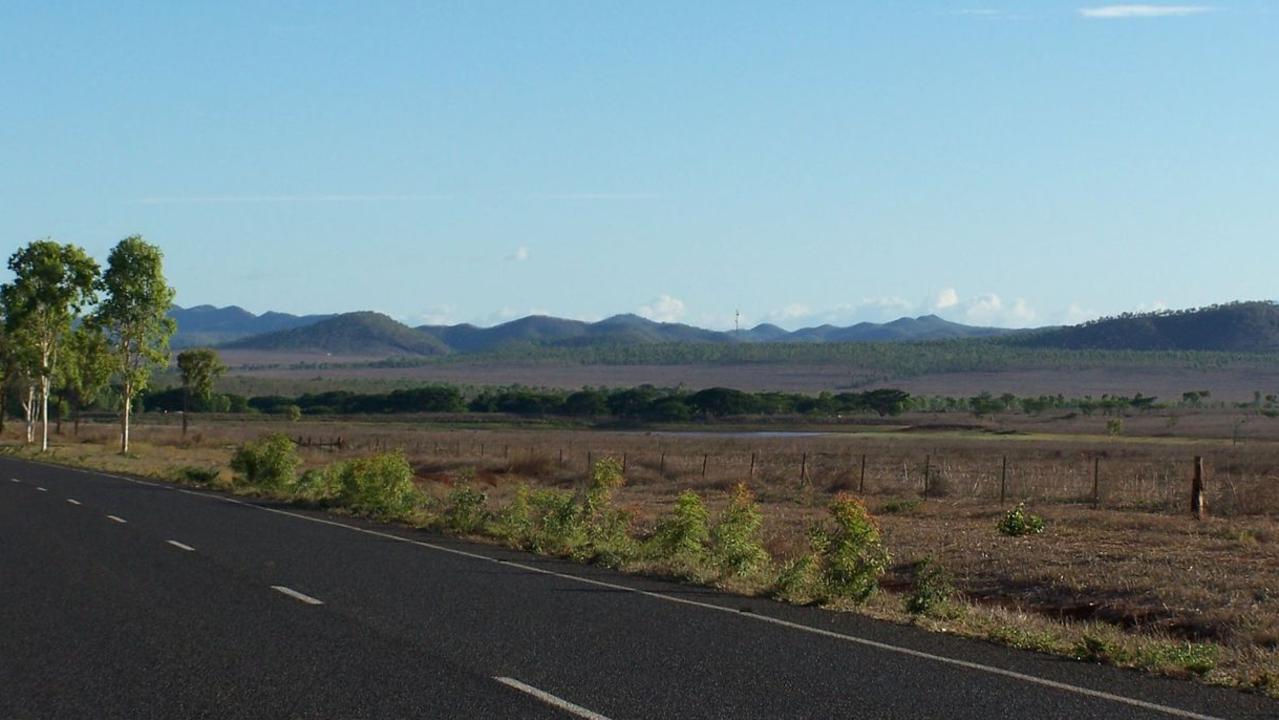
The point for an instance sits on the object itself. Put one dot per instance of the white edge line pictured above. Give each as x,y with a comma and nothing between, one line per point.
989,669
550,699
42,489
297,595
73,501
117,518
180,546
14,480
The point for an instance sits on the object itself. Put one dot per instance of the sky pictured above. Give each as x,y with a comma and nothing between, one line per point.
997,163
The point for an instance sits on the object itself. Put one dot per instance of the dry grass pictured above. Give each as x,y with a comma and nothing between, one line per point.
1137,574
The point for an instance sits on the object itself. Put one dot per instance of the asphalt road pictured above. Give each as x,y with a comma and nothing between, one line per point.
125,599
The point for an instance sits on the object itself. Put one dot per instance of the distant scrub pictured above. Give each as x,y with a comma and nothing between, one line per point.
845,561
1018,522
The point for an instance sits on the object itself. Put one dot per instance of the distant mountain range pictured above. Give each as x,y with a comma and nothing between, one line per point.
1236,327
369,333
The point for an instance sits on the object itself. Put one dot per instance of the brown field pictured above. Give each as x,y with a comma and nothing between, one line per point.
1137,565
1232,384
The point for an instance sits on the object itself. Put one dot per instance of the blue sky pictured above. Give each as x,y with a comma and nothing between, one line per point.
1014,163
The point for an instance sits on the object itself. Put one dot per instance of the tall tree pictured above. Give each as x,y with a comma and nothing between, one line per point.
85,369
52,283
199,368
133,316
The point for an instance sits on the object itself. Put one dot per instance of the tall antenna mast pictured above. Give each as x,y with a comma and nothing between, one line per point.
737,322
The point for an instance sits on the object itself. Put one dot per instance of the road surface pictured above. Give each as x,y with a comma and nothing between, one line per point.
126,599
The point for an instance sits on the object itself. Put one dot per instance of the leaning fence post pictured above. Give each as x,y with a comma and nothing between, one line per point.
704,458
752,466
803,468
928,466
623,463
861,484
1198,503
661,464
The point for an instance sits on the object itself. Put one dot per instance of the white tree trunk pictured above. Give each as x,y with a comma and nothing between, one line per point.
29,413
44,413
124,420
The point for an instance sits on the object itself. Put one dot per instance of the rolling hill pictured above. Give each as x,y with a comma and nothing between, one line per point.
209,325
354,334
1234,327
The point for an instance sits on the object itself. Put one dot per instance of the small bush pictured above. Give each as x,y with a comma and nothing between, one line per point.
1115,427
1018,522
797,580
608,529
851,555
734,540
930,588
555,523
682,535
270,462
514,523
316,485
377,485
465,510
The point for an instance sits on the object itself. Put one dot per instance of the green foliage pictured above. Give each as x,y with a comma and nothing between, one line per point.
134,316
555,523
734,539
1018,522
850,554
84,368
585,526
319,485
294,413
514,523
608,537
1115,427
797,580
682,535
465,510
270,462
380,485
930,588
199,369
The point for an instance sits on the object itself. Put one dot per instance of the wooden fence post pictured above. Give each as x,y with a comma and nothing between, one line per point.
561,457
861,483
752,466
704,459
661,464
1003,481
623,463
1198,503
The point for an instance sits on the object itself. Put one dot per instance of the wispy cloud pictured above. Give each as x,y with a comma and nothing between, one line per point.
520,254
596,196
1120,12
264,199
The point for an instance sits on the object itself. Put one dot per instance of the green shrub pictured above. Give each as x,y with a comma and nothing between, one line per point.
555,523
797,580
514,523
734,540
930,588
1018,522
851,555
377,485
1115,427
465,510
270,462
608,529
682,535
317,485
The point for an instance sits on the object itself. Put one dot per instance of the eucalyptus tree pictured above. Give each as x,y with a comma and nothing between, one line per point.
52,283
199,368
133,315
85,369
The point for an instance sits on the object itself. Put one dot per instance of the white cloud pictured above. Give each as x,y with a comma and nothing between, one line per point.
990,309
1118,12
946,298
1076,314
520,254
663,309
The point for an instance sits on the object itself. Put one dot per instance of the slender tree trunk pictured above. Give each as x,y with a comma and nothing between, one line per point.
44,413
124,419
29,413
